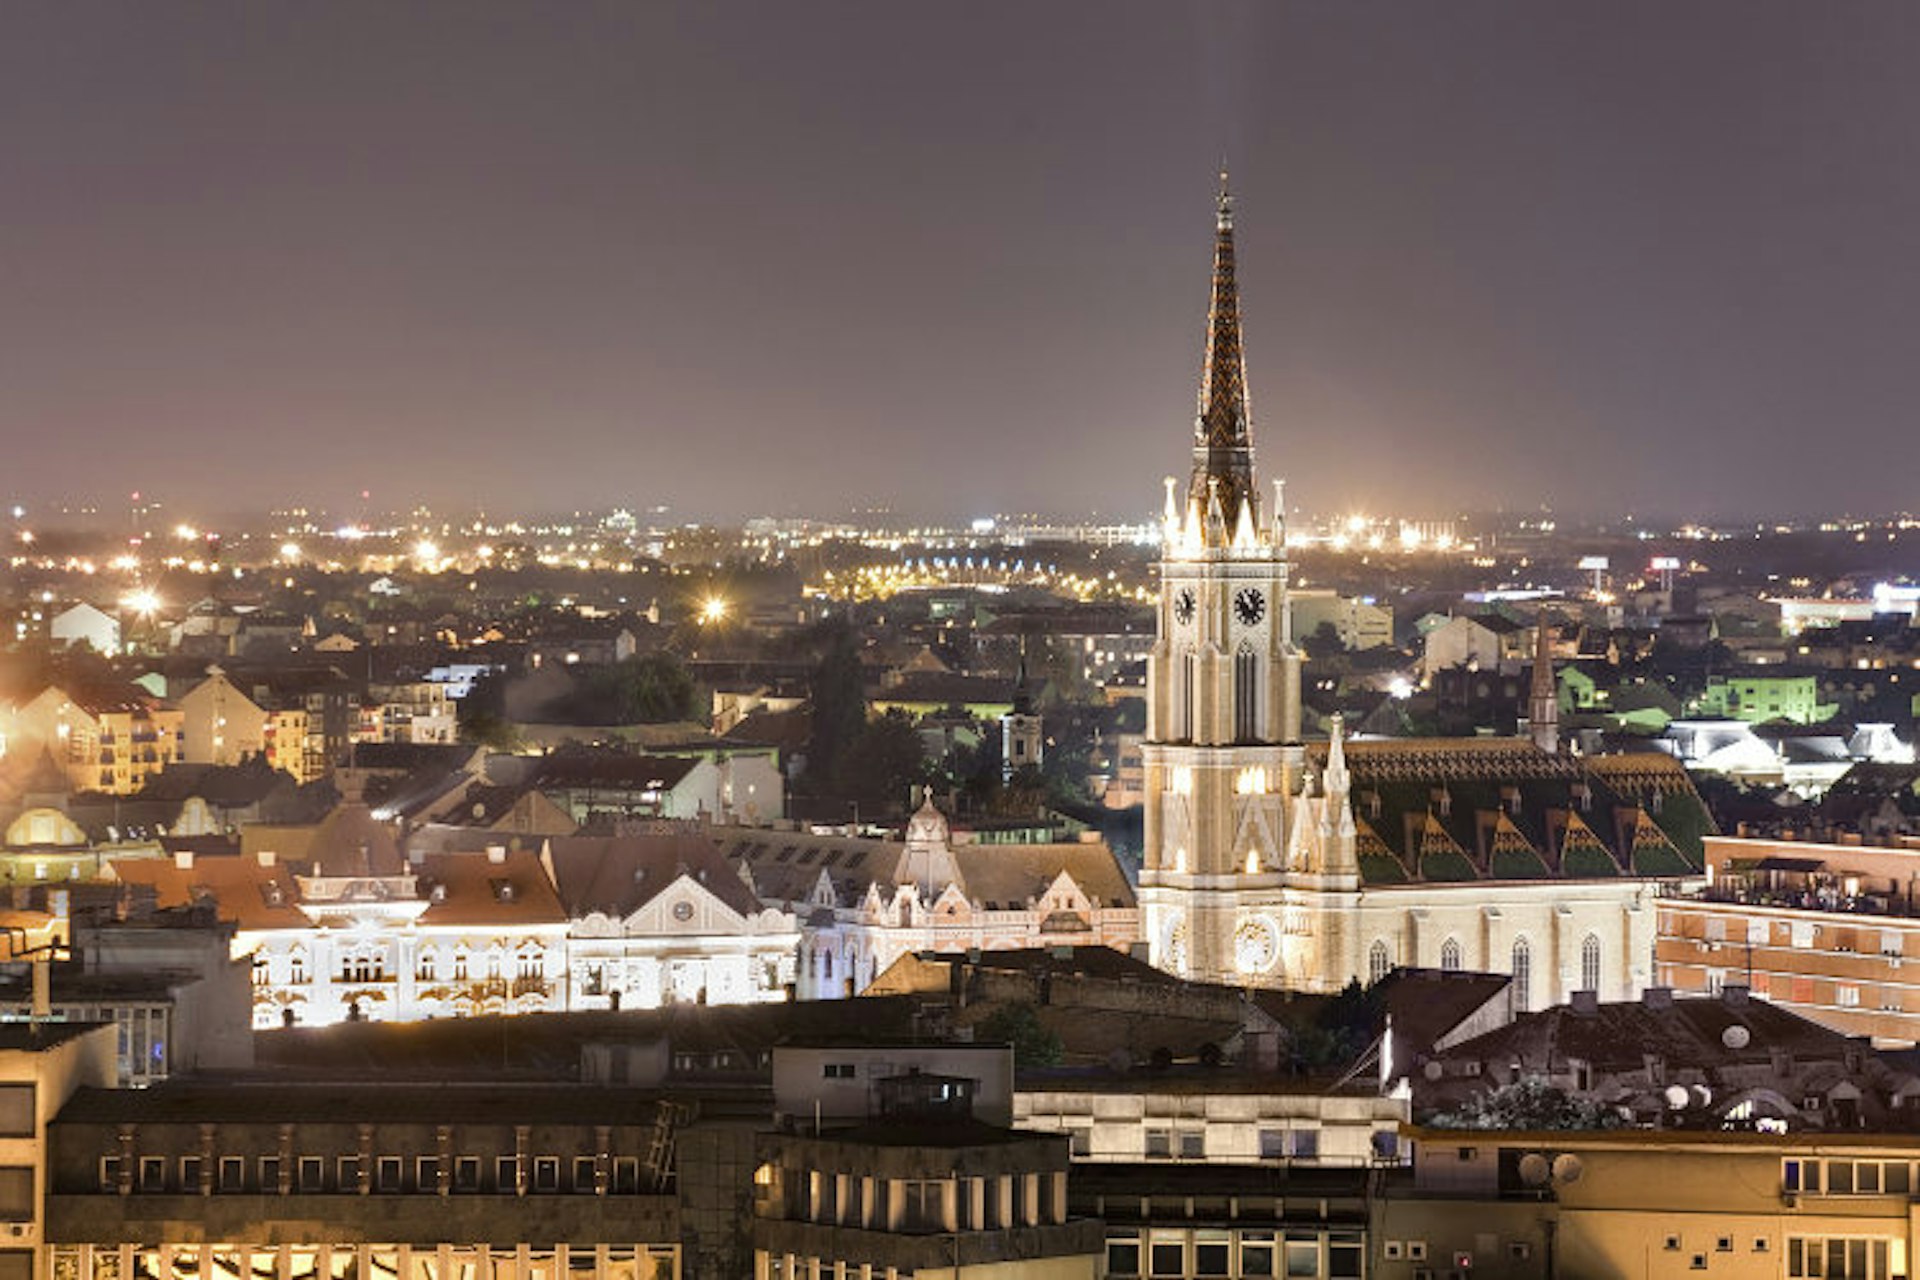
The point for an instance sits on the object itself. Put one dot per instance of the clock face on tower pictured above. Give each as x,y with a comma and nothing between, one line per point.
1183,607
1249,606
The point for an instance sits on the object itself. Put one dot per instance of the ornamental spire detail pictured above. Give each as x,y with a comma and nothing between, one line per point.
1223,428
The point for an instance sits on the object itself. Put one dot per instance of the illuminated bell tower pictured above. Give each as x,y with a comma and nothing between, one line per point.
1223,754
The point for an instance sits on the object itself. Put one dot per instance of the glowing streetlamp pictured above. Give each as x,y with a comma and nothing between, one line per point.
713,610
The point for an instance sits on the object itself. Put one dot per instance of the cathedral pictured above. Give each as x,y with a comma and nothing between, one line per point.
1273,862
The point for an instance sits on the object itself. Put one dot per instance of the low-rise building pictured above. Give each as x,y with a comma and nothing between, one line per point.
1831,931
403,1182
923,1188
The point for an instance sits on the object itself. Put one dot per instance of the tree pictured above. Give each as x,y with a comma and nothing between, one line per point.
838,693
653,688
1324,643
881,762
1019,1025
1527,1103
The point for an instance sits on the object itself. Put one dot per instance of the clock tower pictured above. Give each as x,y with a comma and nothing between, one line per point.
1224,759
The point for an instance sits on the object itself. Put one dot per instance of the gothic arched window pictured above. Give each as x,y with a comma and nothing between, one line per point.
1450,955
1246,695
1379,962
1522,975
1189,685
1590,964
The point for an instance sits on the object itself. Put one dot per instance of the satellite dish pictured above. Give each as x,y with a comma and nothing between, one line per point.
1433,1070
1534,1169
1676,1096
1736,1037
1567,1168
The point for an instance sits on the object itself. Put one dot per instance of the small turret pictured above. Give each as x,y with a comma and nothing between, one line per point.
1543,703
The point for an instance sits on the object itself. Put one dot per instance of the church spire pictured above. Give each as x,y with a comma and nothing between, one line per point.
1222,432
1543,706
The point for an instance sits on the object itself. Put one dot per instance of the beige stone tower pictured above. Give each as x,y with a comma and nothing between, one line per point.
1223,754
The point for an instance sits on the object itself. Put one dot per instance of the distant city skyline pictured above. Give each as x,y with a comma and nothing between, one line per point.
754,259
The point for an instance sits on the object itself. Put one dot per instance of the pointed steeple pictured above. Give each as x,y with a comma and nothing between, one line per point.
1543,703
1223,431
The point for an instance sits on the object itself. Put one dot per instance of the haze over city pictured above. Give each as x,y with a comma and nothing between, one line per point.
754,258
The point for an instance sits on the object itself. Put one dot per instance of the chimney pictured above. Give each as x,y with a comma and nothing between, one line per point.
497,854
1735,994
1657,997
1585,1004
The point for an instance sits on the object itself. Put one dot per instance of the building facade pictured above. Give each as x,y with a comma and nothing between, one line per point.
1271,863
1829,931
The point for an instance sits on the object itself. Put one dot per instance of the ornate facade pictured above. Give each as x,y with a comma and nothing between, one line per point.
1271,864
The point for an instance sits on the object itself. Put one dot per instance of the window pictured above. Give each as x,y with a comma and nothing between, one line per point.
626,1175
1168,1256
388,1174
1450,955
921,1201
1246,696
1256,1253
1123,1256
1837,1257
1193,1144
270,1175
347,1179
311,1173
233,1173
16,1193
109,1173
1379,961
153,1173
466,1173
1590,964
1273,1144
506,1174
1212,1251
1305,1144
190,1167
546,1173
1522,975
1159,1144
16,1111
837,1071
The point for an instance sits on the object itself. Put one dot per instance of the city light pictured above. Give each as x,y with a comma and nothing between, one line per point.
712,610
141,600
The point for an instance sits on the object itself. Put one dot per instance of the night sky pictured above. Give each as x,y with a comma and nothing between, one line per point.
798,258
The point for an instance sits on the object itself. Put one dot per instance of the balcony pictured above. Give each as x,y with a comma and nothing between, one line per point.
1829,899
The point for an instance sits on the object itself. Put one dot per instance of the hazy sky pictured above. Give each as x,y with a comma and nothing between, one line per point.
797,257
